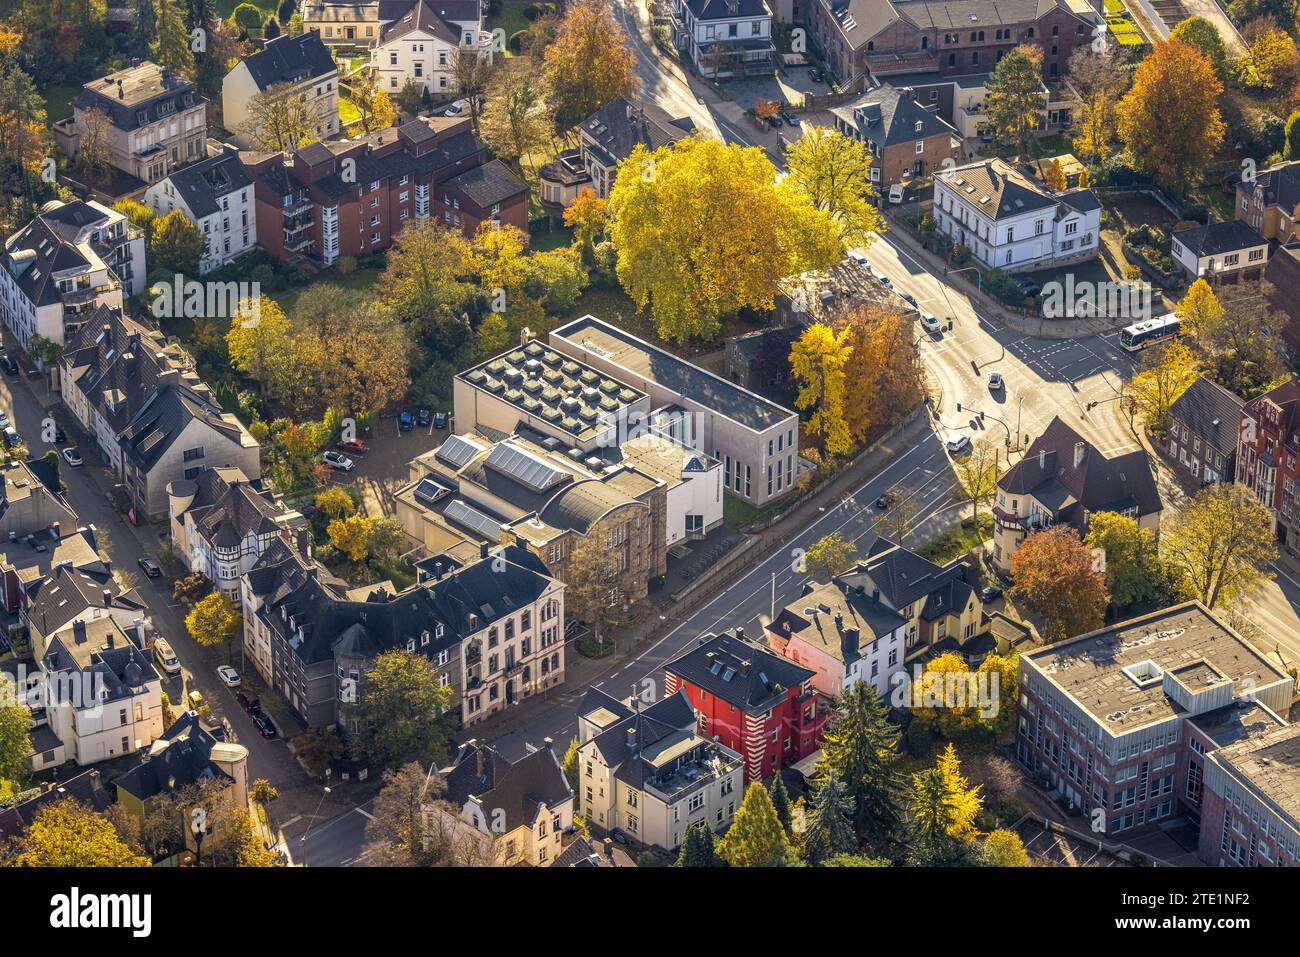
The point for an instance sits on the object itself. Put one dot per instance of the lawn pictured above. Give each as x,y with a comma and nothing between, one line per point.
361,279
510,20
58,102
959,540
348,112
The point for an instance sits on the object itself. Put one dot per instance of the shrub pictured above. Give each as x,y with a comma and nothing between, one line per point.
247,17
1196,212
918,739
266,278
516,41
346,265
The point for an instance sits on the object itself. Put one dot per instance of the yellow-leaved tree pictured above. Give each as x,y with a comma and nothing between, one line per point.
817,360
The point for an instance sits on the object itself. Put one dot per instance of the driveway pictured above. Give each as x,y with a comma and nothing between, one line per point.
386,467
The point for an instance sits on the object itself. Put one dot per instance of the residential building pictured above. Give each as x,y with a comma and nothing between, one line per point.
422,46
1249,814
827,295
1120,721
939,604
147,413
221,522
216,195
287,66
28,505
69,261
153,121
1228,252
650,773
606,139
1282,289
1063,479
493,628
80,587
906,140
724,38
1012,223
754,438
518,811
86,788
1203,425
354,27
1267,450
843,635
1270,202
755,702
28,560
352,197
882,38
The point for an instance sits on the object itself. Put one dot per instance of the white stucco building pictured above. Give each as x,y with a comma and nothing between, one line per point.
422,46
216,195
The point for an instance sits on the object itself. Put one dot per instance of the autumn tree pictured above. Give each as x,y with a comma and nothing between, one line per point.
1167,371
373,102
517,120
588,217
471,73
213,620
1238,343
569,764
176,244
1219,544
1170,119
351,536
1055,579
944,806
422,284
1271,60
859,747
883,377
404,710
353,352
93,145
1004,848
15,742
1054,176
1127,554
278,120
263,349
1015,100
977,475
335,502
834,172
1100,78
829,556
817,360
756,837
397,834
69,834
1203,36
588,63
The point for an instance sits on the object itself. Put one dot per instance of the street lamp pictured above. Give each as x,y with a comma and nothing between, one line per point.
199,828
979,278
302,841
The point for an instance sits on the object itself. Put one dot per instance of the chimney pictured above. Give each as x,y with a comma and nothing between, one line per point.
1079,448
1042,459
473,621
79,632
169,377
478,757
121,93
483,550
108,598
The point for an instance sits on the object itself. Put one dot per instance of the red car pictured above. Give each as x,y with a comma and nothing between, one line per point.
355,447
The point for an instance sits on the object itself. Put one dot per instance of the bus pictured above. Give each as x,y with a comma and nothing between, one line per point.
1148,331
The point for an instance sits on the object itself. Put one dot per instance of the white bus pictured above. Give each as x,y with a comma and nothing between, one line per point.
1148,331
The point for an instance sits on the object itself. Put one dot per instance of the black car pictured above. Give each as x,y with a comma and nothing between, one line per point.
1028,286
149,566
424,417
815,75
440,420
60,437
885,500
264,725
10,366
774,121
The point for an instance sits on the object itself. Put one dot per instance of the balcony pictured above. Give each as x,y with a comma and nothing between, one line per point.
714,766
295,204
297,242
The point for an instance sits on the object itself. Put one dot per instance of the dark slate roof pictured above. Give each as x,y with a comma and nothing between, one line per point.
723,9
1210,411
1215,239
621,742
524,789
428,17
227,507
622,124
489,184
1009,193
100,649
289,59
202,185
1098,484
68,592
738,671
453,152
1084,200
163,418
903,577
144,96
581,853
85,787
47,247
1280,185
887,117
580,505
181,756
840,617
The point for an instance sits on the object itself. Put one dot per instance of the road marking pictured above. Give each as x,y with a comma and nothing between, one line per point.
293,820
366,814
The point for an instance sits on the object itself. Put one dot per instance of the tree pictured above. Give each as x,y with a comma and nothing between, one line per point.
859,747
171,48
517,121
93,144
335,502
397,834
386,538
69,834
1203,36
1170,119
1127,553
271,29
15,742
1219,544
944,807
373,370
829,556
278,120
263,792
1291,150
263,349
1237,341
1200,310
1168,370
817,360
1100,79
829,823
176,245
1271,61
1015,102
410,98
977,475
883,377
588,63
1004,848
588,217
780,801
138,214
756,837
682,249
589,575
570,764
555,278
376,108
834,172
1055,578
471,70
351,536
213,620
404,709
247,17
1054,176
698,848
422,284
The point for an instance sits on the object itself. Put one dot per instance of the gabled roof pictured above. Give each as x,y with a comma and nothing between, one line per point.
86,788
902,577
996,189
181,756
163,418
55,241
1230,236
840,618
227,507
1280,185
622,743
489,184
888,117
427,16
289,59
622,124
523,789
739,672
707,10
1210,411
69,592
201,186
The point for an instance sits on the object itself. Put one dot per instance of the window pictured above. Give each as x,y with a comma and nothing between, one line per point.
192,455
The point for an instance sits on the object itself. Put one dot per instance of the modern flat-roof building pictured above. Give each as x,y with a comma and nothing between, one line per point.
755,439
1250,808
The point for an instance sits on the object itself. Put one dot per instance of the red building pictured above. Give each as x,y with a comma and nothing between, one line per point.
758,704
1268,448
351,197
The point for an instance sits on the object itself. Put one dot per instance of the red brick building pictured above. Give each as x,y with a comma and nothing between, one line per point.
757,703
350,198
1268,448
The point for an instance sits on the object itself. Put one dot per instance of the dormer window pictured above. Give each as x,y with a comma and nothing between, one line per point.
424,638
410,644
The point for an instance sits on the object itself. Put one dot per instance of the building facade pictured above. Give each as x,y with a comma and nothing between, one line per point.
423,46
724,38
1203,425
216,195
907,141
287,66
1267,451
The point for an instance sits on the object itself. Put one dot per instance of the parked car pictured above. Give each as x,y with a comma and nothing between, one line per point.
1028,286
166,658
424,417
228,675
995,382
10,366
958,445
149,566
885,500
248,701
790,118
406,422
440,420
989,592
457,108
355,447
337,461
263,724
909,299
71,456
12,437
861,260
816,75
4,420
196,700
883,280
930,322
774,121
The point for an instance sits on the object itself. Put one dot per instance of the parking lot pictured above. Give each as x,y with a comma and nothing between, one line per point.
386,466
788,87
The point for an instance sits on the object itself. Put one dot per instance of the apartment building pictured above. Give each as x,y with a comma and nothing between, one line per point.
422,46
287,66
758,704
1228,252
724,38
216,195
906,140
156,121
1063,479
1267,449
221,522
351,198
1010,222
1248,809
28,505
1122,722
1203,425
648,772
1270,202
66,263
754,438
27,561
354,27
493,627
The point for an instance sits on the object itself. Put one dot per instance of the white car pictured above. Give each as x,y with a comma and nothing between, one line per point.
995,382
930,322
228,675
337,460
883,280
71,456
457,108
958,445
861,260
4,420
